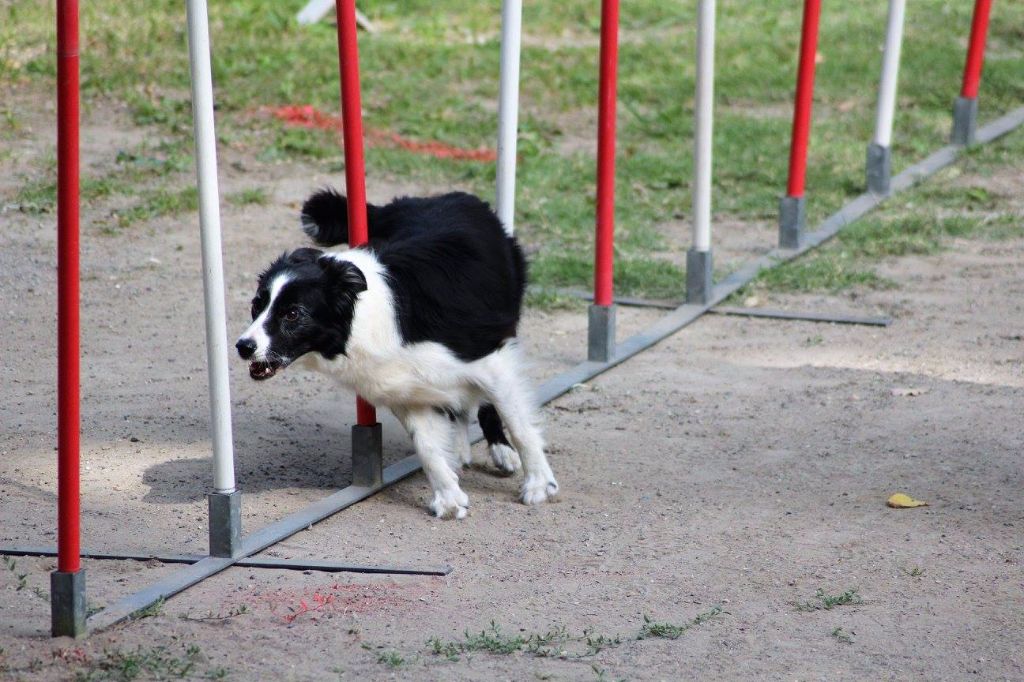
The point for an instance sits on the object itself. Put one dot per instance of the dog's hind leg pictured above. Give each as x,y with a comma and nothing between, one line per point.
511,398
460,439
432,434
505,458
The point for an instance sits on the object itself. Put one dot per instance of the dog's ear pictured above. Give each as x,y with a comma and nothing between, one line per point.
303,255
343,274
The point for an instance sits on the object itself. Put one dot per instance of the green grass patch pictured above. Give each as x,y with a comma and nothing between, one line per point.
825,601
829,271
635,276
249,197
159,203
653,629
157,663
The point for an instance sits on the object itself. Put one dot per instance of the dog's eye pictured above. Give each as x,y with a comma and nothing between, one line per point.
292,315
255,308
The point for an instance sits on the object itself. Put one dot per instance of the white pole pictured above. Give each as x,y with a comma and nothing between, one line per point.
702,128
508,111
213,266
890,74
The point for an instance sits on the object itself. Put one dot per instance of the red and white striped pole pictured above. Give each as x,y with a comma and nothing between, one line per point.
601,328
792,206
367,446
67,583
965,109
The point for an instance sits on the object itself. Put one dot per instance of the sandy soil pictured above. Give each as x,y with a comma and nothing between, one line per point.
741,464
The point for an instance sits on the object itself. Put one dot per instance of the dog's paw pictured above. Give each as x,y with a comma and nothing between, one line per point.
450,504
536,489
505,459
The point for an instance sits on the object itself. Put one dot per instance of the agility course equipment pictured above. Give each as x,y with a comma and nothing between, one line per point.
793,206
965,108
368,475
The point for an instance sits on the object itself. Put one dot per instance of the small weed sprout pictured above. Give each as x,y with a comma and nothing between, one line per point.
830,601
843,636
670,631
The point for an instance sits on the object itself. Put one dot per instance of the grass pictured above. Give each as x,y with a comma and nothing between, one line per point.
392,659
430,73
158,663
824,601
652,629
843,636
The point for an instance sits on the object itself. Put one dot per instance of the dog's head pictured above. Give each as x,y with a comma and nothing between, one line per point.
304,304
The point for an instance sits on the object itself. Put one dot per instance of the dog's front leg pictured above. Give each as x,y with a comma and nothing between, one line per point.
431,433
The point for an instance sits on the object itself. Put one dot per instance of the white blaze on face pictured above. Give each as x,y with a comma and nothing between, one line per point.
257,330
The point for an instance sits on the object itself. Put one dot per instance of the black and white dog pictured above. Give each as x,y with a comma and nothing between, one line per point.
422,320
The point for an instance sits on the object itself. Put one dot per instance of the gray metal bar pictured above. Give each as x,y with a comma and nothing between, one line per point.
700,282
879,168
253,562
367,455
600,332
225,523
965,121
792,217
67,599
802,316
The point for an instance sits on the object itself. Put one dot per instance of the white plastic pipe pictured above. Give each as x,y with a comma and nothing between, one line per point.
209,227
890,74
703,113
508,111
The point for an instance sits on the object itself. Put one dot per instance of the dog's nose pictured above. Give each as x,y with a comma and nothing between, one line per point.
246,347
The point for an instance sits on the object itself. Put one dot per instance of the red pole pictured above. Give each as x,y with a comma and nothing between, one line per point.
976,49
804,95
68,417
605,228
355,166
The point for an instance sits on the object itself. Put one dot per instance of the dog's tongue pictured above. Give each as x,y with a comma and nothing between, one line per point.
261,370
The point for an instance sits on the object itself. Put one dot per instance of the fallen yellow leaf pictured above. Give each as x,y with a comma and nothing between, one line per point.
904,501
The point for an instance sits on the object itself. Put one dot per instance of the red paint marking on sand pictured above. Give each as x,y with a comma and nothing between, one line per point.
308,116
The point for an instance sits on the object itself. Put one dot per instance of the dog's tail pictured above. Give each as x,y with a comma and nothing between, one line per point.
325,217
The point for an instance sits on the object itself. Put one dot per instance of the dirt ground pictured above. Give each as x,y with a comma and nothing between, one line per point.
723,477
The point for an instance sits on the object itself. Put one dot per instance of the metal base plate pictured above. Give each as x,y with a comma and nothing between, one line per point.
225,521
600,333
700,285
67,603
879,168
792,216
965,121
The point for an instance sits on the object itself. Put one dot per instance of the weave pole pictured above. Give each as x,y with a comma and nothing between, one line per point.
367,434
67,583
224,503
601,314
879,158
699,270
792,207
965,108
508,111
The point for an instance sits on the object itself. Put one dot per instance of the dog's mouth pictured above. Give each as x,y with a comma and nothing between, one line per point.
261,371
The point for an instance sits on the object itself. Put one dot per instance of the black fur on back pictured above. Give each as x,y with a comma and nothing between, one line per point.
457,278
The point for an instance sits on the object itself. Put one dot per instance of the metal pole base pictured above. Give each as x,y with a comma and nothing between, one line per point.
965,121
700,284
879,168
225,524
601,333
791,222
67,604
367,455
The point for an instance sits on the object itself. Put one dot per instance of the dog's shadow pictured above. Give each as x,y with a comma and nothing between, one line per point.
318,459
